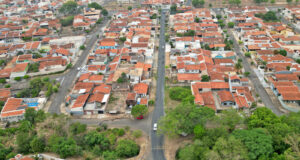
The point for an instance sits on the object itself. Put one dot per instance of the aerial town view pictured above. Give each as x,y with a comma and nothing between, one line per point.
149,79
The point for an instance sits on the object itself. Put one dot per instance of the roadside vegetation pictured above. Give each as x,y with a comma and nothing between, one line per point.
37,85
40,132
230,134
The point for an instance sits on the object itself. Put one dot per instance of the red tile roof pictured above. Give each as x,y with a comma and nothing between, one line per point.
188,76
97,97
140,88
102,88
80,101
21,67
225,96
291,96
131,96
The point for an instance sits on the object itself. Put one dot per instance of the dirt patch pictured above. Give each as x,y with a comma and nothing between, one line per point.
172,145
117,101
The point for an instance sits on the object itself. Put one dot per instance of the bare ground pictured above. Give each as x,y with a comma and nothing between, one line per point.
172,145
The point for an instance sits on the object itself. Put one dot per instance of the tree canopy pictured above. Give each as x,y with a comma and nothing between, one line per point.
69,8
183,119
257,142
139,110
94,5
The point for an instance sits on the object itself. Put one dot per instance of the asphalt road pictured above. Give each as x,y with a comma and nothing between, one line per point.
254,79
157,141
70,76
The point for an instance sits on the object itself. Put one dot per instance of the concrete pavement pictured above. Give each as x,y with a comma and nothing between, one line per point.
70,76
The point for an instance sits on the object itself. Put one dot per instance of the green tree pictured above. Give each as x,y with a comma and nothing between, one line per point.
122,39
293,120
229,119
4,151
139,110
23,142
129,8
94,5
30,115
64,147
94,138
69,8
123,78
279,131
289,1
104,12
127,148
228,149
283,52
197,20
183,119
173,9
194,151
153,16
199,131
230,24
235,2
262,117
257,142
247,74
198,3
205,78
67,21
38,144
238,66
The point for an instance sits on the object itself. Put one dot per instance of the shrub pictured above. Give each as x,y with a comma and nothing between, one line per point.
26,77
2,80
179,93
127,148
82,47
151,102
137,133
17,78
7,86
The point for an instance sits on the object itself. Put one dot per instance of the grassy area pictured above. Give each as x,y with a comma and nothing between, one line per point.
169,103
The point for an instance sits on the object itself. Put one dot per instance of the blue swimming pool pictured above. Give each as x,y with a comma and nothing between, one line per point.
33,104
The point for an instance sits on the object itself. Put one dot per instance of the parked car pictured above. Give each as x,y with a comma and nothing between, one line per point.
155,127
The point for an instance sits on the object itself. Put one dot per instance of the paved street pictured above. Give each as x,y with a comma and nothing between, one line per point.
254,79
70,76
157,141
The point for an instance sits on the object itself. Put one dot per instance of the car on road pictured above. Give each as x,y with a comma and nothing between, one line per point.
155,127
78,68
